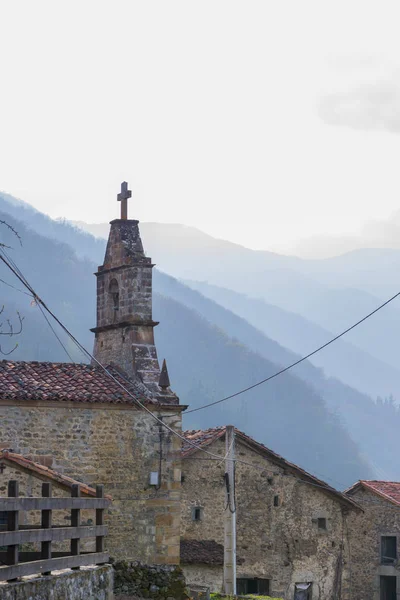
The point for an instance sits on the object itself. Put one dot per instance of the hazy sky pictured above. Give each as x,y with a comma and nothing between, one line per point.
259,122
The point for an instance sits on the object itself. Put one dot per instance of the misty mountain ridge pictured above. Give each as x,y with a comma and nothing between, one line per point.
332,293
194,381
204,362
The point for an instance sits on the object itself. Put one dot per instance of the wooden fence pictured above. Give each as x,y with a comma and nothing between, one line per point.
15,564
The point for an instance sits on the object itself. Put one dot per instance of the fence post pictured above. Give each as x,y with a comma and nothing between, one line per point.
75,522
13,524
99,519
46,523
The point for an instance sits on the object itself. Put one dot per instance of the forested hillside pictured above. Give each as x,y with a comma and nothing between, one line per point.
205,363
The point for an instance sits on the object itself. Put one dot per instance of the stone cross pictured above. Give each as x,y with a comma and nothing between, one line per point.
123,198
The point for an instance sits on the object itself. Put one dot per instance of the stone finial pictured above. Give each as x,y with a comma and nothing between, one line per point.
164,377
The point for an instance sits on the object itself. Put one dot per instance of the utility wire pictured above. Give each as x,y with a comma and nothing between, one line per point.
251,387
14,268
55,333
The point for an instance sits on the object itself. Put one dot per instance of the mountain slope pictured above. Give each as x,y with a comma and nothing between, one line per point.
332,293
204,362
365,419
343,360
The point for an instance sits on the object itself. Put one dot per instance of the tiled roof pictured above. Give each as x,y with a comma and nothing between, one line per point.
67,382
21,462
203,438
206,552
389,490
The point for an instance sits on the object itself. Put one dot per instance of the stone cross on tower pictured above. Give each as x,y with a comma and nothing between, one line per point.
123,198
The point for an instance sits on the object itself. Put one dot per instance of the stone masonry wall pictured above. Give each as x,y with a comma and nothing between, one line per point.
204,575
89,583
379,518
149,581
117,446
280,543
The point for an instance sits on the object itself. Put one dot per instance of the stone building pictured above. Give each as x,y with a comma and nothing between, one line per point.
81,420
375,539
292,539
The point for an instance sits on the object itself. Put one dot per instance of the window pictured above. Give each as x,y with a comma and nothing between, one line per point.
3,517
303,591
256,586
388,549
114,291
387,588
197,513
276,500
321,523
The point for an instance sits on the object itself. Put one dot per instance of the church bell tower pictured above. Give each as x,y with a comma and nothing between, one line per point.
124,333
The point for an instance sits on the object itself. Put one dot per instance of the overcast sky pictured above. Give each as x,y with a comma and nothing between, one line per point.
259,122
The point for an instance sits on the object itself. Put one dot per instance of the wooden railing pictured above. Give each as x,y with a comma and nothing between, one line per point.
15,564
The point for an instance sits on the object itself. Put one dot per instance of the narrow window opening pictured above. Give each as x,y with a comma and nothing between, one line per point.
114,291
388,587
388,549
256,586
197,513
3,517
322,523
276,500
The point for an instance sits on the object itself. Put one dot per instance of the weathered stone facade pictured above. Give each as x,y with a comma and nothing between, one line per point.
119,447
89,583
94,430
124,332
162,582
278,533
381,517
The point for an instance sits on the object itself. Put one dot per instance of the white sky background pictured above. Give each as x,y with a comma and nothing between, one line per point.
209,109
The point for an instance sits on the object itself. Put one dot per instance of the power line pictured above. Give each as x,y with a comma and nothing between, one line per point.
17,272
334,339
14,268
55,333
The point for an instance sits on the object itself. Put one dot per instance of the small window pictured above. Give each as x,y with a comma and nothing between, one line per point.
114,291
276,500
388,587
256,586
322,523
388,549
197,513
3,517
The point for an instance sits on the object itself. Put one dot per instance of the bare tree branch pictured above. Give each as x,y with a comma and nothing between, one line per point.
7,329
11,229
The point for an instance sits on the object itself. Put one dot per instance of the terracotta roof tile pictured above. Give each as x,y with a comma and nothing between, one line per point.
42,472
390,490
206,552
67,382
203,438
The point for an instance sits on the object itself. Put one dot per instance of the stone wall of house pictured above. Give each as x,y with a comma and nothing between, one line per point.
204,575
281,543
119,447
380,517
148,581
88,583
